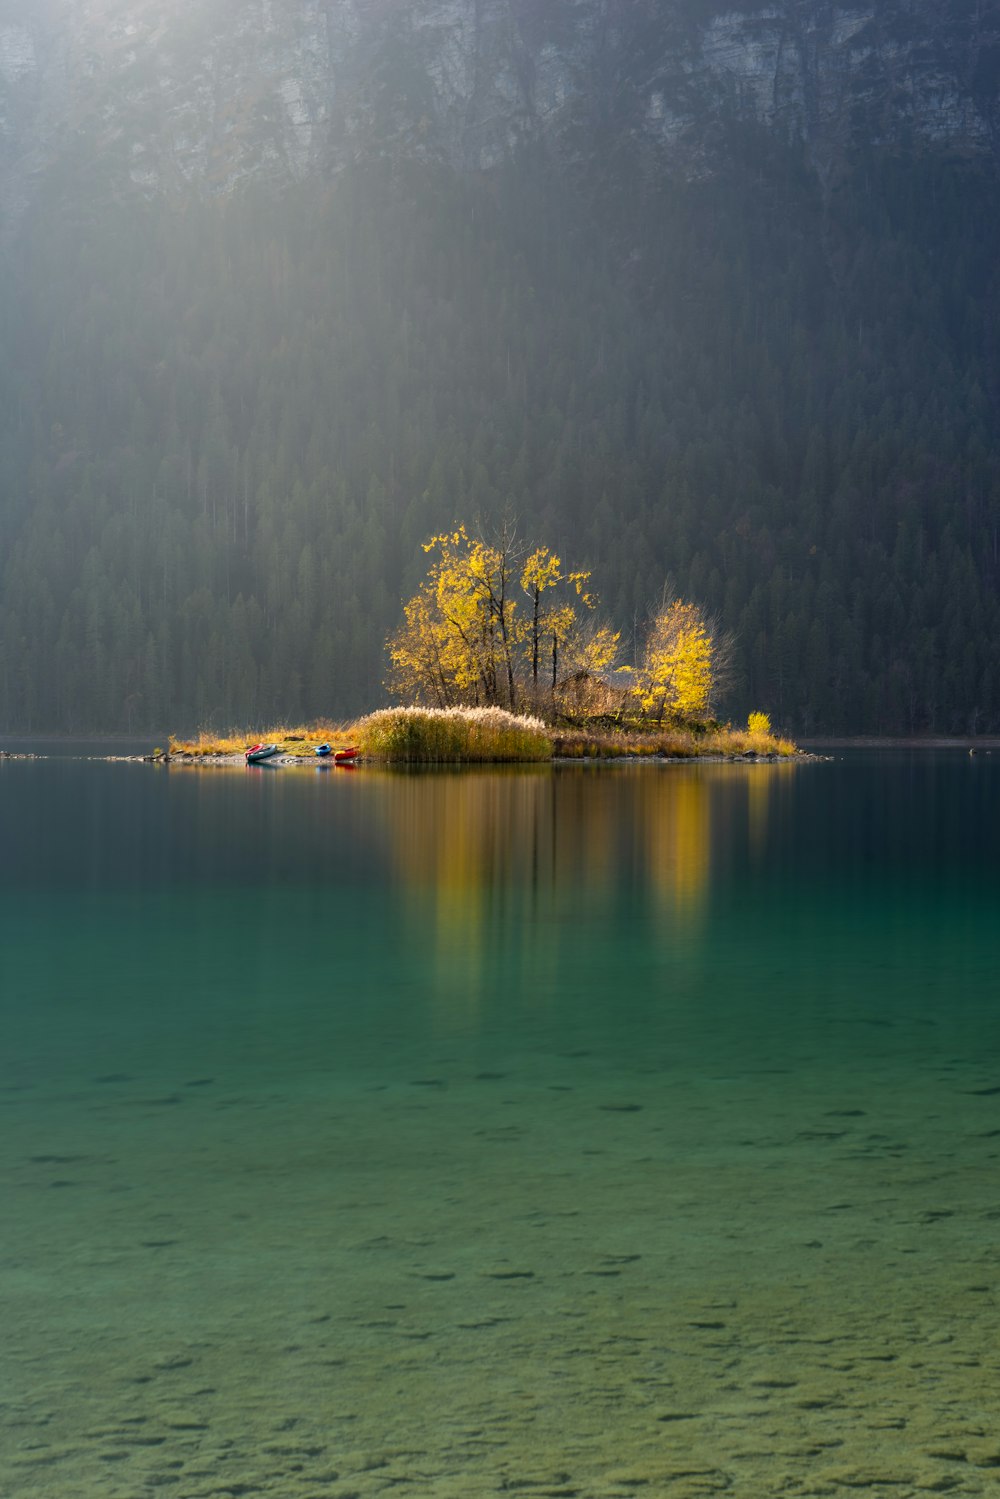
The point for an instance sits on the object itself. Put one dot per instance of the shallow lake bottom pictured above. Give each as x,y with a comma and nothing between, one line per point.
615,1134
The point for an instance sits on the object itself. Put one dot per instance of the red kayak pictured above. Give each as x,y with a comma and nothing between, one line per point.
344,756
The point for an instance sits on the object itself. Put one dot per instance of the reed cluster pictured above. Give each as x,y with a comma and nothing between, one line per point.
437,736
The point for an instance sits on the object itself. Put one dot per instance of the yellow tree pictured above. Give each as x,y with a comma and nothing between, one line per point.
463,641
555,624
421,652
593,648
590,653
678,674
457,640
488,576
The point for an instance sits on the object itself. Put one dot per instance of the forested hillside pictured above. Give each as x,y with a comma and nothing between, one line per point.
227,426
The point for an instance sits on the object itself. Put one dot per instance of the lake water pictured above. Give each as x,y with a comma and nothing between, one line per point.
616,1132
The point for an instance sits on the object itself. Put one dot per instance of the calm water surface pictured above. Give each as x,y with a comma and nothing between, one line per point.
589,1132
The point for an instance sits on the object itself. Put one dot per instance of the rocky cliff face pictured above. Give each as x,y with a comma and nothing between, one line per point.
196,95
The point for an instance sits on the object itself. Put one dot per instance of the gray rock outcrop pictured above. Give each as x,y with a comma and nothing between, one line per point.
175,96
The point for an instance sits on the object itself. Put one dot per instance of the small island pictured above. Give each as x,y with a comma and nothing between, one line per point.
503,656
471,736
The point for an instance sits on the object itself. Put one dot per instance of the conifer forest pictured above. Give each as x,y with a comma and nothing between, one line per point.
227,425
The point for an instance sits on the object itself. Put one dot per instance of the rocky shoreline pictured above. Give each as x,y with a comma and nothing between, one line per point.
289,760
285,761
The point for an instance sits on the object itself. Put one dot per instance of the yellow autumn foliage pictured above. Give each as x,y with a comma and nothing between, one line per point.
464,639
676,678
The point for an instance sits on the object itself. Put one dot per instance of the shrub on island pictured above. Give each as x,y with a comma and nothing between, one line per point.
433,736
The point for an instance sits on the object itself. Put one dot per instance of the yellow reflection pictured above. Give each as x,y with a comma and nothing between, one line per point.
759,783
674,821
471,850
505,869
585,833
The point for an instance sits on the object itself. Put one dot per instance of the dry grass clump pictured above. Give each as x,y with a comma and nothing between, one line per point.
291,740
435,736
744,742
671,744
587,744
207,742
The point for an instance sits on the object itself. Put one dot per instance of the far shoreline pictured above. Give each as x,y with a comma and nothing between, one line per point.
913,741
128,748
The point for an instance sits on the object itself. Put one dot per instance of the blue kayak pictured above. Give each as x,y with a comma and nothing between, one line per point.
323,749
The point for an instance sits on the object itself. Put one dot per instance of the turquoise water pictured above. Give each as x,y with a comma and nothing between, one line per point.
610,1132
